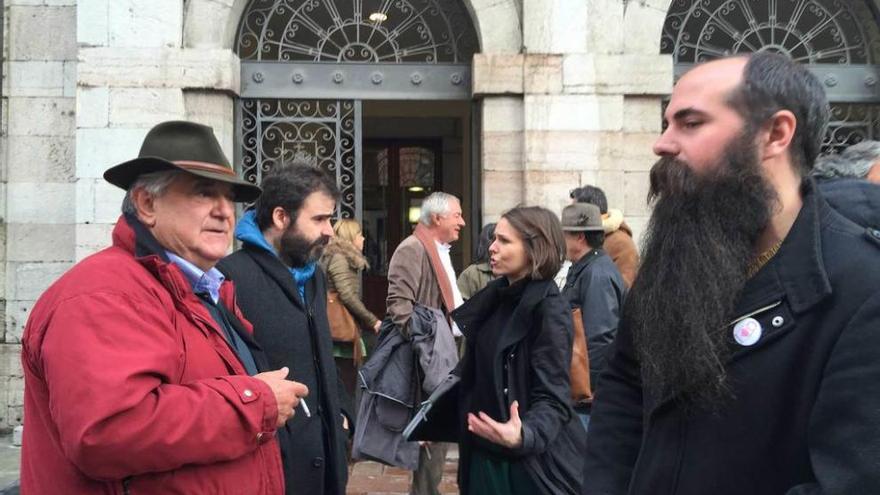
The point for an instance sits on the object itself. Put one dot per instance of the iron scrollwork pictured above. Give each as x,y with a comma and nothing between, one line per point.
429,31
812,32
808,31
320,133
851,123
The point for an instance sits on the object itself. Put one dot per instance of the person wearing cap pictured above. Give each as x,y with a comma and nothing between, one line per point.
593,283
619,243
141,375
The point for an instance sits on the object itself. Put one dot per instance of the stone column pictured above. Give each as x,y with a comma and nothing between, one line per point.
593,84
36,185
498,80
559,126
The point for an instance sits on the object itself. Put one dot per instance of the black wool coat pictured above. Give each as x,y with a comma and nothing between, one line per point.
531,365
805,413
297,336
856,199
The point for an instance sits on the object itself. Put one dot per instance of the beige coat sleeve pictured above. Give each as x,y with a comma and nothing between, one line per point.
347,283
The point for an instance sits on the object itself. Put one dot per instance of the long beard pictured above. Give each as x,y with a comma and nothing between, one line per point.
699,243
298,251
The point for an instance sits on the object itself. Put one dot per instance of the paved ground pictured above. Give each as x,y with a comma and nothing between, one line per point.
9,462
367,478
372,478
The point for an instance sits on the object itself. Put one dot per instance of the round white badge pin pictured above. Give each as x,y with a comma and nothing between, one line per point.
747,332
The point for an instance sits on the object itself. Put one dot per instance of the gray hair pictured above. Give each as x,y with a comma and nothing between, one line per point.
154,183
854,161
437,203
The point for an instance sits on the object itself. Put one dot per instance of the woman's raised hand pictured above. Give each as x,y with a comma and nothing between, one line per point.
507,434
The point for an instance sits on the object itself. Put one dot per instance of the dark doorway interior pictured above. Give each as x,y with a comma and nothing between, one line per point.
398,174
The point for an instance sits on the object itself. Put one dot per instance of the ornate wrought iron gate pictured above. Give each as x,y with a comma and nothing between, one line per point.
308,64
322,133
838,39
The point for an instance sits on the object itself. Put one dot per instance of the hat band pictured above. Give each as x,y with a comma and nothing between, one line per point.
209,167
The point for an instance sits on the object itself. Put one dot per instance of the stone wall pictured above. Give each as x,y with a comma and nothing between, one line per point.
579,105
37,185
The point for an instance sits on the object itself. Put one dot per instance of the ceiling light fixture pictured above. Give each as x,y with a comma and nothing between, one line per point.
378,17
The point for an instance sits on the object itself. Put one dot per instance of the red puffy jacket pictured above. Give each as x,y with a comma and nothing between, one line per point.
130,387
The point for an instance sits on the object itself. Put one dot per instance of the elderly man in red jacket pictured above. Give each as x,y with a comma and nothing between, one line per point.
140,372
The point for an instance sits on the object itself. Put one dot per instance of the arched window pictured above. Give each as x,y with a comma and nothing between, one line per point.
838,39
357,31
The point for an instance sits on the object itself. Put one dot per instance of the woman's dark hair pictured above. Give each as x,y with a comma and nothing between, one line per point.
487,235
542,238
288,186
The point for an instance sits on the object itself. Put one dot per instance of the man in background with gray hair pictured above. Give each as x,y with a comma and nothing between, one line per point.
859,161
421,272
850,181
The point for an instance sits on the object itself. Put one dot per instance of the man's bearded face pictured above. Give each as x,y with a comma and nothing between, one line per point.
298,251
696,252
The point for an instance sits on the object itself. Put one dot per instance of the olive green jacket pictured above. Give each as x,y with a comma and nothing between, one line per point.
474,278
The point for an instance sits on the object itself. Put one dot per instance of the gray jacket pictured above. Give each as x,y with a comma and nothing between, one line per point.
595,285
392,390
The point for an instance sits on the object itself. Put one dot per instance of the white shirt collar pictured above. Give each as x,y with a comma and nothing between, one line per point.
440,245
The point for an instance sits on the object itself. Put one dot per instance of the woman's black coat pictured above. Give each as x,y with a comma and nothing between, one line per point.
531,366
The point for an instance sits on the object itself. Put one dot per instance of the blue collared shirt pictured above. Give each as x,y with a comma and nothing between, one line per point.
209,283
201,281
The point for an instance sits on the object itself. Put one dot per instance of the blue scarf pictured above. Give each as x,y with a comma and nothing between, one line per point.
248,232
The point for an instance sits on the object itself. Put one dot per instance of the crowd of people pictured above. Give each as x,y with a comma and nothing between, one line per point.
738,353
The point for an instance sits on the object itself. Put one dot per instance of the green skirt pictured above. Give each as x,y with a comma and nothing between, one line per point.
491,474
346,349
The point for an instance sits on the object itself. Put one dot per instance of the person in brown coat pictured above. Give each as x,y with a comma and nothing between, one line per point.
420,272
343,261
619,242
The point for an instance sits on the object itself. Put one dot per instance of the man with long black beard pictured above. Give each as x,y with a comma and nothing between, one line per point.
748,357
283,292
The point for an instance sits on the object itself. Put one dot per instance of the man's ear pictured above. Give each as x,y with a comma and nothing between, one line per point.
145,204
778,133
280,218
874,173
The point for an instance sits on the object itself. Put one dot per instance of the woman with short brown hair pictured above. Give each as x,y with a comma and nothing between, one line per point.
517,431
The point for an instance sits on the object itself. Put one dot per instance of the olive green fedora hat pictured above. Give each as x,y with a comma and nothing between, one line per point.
581,217
186,146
